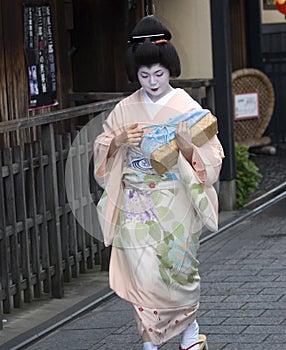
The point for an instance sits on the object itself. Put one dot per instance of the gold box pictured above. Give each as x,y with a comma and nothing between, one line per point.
163,158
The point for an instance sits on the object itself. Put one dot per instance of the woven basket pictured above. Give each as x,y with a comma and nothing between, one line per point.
249,131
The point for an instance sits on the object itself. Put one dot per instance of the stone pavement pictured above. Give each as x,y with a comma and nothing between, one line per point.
243,301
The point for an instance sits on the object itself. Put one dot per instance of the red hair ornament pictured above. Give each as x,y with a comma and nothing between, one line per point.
281,6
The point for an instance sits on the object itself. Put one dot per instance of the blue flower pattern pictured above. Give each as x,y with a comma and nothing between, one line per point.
177,254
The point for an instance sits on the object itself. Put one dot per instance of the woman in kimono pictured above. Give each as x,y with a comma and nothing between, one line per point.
153,221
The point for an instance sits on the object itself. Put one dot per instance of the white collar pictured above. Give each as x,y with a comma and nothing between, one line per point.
163,100
155,107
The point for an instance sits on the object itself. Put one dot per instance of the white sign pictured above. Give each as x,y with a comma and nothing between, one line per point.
246,106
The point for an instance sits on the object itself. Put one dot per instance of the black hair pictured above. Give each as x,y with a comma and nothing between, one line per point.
150,44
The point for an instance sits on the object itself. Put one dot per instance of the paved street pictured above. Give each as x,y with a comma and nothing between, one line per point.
243,302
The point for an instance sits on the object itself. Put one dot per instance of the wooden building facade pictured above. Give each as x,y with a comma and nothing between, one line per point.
84,41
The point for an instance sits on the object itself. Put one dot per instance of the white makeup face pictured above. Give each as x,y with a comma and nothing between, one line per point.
155,81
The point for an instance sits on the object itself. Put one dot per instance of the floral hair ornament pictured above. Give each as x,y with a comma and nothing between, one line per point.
161,41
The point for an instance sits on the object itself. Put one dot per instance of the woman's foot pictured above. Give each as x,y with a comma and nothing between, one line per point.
201,344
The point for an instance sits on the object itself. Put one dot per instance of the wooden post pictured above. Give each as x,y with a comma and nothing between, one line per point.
86,195
64,216
12,222
48,142
223,98
73,246
42,210
32,213
21,205
4,264
210,99
77,170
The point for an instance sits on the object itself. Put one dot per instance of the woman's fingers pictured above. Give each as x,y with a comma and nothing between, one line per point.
131,136
131,127
183,131
182,127
134,134
135,139
183,136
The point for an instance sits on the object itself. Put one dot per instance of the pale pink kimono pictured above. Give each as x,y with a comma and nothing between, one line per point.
154,222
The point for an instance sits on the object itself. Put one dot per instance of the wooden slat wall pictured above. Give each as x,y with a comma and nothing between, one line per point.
41,245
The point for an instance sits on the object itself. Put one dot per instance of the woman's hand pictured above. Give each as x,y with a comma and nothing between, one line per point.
184,139
131,136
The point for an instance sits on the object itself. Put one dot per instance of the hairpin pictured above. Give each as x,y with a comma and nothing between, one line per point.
147,37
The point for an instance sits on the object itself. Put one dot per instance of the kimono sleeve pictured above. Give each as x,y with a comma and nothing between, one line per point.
103,162
207,161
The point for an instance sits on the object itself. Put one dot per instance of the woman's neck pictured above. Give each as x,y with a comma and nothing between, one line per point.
155,98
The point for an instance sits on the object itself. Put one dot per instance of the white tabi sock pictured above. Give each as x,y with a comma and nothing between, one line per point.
190,336
149,346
